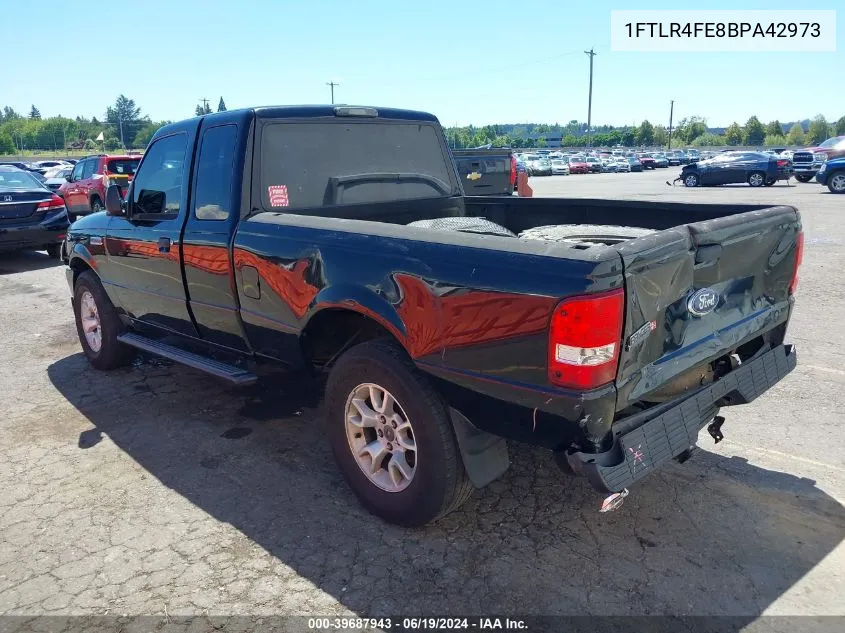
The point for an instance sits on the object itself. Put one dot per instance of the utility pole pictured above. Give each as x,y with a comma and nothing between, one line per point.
671,112
590,53
122,144
332,84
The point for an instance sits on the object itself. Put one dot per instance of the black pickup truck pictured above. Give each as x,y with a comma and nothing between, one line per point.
486,171
338,241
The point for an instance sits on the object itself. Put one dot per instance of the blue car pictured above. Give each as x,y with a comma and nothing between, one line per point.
832,174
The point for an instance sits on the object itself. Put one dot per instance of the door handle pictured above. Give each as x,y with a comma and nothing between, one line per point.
164,245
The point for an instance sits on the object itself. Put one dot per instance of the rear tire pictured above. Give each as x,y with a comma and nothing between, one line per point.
770,182
803,177
94,314
836,181
438,482
96,204
756,179
54,250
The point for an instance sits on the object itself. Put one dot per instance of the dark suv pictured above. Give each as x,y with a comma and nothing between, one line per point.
85,190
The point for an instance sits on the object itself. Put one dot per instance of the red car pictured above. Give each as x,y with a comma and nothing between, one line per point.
647,161
85,190
578,165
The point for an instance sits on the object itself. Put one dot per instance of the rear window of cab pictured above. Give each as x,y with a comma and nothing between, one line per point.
123,166
315,164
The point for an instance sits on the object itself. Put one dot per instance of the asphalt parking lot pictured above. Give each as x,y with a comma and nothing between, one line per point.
158,490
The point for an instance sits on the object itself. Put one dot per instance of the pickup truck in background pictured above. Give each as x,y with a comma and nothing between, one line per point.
338,241
807,162
486,171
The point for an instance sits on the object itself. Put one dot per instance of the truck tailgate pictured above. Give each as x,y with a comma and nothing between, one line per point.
698,291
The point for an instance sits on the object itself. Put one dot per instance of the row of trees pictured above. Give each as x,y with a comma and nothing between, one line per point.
691,131
123,126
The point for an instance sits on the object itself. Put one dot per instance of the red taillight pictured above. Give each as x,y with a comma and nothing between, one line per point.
799,257
783,163
55,203
584,338
513,171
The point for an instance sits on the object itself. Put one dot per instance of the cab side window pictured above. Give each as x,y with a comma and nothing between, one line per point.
157,188
214,173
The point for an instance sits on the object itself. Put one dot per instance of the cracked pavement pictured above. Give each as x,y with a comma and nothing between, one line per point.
158,490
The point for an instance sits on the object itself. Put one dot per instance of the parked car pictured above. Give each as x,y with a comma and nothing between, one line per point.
635,164
486,172
440,332
85,189
674,157
647,161
609,165
43,166
58,178
807,162
19,164
578,164
560,166
755,168
832,174
693,155
31,216
595,164
622,164
660,160
543,167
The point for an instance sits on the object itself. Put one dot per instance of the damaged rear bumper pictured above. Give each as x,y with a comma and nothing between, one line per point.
644,442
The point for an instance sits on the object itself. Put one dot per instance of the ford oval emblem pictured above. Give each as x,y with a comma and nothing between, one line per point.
703,302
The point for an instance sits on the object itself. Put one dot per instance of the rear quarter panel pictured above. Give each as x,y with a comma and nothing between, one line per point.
466,308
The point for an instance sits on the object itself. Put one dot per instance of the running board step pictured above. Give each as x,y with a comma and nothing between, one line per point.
226,371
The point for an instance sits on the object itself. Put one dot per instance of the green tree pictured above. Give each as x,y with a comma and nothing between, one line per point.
569,140
774,128
645,134
7,146
629,138
112,144
818,131
774,140
795,136
124,119
734,134
34,113
221,105
708,139
755,132
90,144
198,111
9,114
145,134
661,136
839,128
541,142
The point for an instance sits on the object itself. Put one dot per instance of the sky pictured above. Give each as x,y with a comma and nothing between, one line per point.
467,62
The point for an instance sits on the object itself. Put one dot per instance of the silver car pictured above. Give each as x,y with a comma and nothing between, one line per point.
560,167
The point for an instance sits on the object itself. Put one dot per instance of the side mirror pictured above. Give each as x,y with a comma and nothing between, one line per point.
114,201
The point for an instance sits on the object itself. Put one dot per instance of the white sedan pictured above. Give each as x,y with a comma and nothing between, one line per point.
560,167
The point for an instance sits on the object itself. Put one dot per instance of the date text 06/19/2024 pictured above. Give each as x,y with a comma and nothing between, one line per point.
417,624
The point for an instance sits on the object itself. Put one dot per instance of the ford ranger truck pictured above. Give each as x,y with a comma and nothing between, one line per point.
338,241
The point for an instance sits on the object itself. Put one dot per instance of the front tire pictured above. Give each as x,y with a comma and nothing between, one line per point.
392,437
98,324
691,180
803,177
836,182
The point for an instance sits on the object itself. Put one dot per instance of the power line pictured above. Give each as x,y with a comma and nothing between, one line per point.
332,84
590,53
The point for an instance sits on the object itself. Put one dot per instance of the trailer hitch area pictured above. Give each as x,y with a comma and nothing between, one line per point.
613,501
715,429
